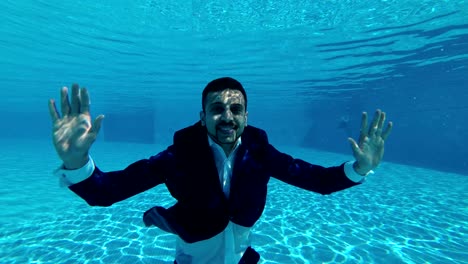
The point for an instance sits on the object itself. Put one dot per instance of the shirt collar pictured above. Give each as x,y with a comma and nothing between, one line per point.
214,145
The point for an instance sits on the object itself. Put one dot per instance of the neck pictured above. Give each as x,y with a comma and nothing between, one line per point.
227,149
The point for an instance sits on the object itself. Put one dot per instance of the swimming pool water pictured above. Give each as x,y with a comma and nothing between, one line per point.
309,67
401,214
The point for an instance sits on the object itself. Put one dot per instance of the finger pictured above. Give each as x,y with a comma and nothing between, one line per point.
84,101
378,132
75,99
387,131
363,132
65,104
97,124
375,122
354,146
54,115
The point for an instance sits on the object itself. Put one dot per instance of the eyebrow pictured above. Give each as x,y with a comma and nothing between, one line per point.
220,103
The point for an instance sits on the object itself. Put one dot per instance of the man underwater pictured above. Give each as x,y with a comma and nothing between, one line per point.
217,170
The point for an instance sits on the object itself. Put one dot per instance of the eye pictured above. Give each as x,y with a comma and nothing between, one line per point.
217,109
237,110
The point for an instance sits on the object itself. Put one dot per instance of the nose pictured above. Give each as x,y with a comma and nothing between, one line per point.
227,115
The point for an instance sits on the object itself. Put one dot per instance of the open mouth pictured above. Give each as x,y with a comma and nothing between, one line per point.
226,129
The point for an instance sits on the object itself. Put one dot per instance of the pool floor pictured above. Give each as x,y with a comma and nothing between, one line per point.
401,214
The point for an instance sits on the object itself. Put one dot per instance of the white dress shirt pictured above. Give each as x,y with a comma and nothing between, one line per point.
226,247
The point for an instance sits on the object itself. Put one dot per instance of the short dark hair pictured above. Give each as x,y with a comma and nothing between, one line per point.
221,84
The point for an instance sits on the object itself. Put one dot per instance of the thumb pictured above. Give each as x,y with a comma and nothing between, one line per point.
97,124
354,146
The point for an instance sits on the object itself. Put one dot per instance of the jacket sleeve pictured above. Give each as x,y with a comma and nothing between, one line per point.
107,188
305,175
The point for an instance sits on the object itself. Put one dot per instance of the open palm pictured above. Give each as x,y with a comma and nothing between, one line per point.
72,132
369,151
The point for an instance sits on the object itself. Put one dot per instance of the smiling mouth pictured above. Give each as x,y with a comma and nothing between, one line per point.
226,129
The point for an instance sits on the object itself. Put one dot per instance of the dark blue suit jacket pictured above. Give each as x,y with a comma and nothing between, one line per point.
189,171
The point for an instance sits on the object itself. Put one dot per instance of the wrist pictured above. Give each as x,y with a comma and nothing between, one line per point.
75,163
359,170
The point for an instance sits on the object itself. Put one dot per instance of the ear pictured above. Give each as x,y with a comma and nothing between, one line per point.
246,114
202,118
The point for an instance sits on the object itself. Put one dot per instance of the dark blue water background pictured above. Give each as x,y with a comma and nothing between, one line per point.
310,69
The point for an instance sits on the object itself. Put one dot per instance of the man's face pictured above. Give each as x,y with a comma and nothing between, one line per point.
224,117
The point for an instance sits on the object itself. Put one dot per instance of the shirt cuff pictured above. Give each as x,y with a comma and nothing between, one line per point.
352,174
70,177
